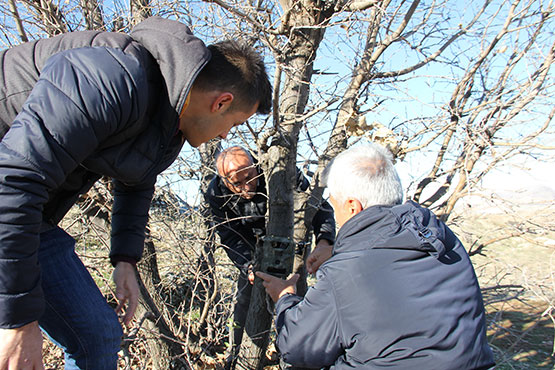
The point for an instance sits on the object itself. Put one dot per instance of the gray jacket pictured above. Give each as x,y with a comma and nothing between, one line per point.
74,108
399,292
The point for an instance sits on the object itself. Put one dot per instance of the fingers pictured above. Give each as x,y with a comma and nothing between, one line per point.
130,312
310,263
128,296
276,287
127,291
318,256
21,348
121,297
132,299
267,277
263,276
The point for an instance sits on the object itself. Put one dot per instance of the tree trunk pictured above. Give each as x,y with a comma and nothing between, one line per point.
275,254
164,348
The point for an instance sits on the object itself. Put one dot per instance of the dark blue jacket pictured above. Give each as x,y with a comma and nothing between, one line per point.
399,292
239,221
76,107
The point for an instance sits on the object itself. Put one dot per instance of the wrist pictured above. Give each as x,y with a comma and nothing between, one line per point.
285,292
114,260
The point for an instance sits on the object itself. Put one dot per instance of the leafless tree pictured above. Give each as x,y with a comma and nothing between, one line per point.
454,92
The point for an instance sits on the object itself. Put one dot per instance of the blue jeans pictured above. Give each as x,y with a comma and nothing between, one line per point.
77,317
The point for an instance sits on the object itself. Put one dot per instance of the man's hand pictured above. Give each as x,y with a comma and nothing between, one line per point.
276,287
127,290
21,348
321,253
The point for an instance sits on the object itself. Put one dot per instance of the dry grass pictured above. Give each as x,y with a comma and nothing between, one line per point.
516,275
517,278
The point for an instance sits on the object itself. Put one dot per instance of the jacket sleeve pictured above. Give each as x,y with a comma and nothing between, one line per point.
308,328
129,219
323,223
238,240
72,108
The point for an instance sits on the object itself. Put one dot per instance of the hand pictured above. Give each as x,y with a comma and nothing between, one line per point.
21,348
127,290
319,255
276,287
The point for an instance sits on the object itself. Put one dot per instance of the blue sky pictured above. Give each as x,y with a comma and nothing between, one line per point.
402,101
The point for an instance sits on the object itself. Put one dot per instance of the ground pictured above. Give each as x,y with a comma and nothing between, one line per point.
515,274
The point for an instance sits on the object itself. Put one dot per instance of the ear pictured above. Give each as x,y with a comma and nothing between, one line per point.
353,206
221,102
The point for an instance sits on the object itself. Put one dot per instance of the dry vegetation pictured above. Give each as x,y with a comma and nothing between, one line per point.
465,88
516,276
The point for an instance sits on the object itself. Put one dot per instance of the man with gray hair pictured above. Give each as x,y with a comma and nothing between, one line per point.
399,290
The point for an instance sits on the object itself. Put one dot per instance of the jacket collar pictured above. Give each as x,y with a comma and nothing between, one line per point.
405,226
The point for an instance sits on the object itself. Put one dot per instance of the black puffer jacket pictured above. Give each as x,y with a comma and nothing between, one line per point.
241,221
399,292
88,104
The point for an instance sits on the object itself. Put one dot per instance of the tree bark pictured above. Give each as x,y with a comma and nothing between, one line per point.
275,254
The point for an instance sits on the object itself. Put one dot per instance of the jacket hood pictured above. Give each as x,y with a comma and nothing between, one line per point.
408,226
178,52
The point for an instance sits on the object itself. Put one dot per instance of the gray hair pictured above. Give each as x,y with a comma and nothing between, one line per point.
364,172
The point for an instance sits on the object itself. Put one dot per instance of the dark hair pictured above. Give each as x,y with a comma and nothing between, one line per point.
239,69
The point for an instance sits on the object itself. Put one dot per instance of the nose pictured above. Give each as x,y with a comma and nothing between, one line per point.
250,186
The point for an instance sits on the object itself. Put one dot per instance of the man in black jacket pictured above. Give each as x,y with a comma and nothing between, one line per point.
399,290
74,108
238,199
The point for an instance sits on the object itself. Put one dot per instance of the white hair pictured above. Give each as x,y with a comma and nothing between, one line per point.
364,172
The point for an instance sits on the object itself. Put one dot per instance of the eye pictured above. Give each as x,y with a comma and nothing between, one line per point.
253,178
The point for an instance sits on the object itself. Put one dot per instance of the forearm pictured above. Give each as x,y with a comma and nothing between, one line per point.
323,223
21,197
297,322
129,220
